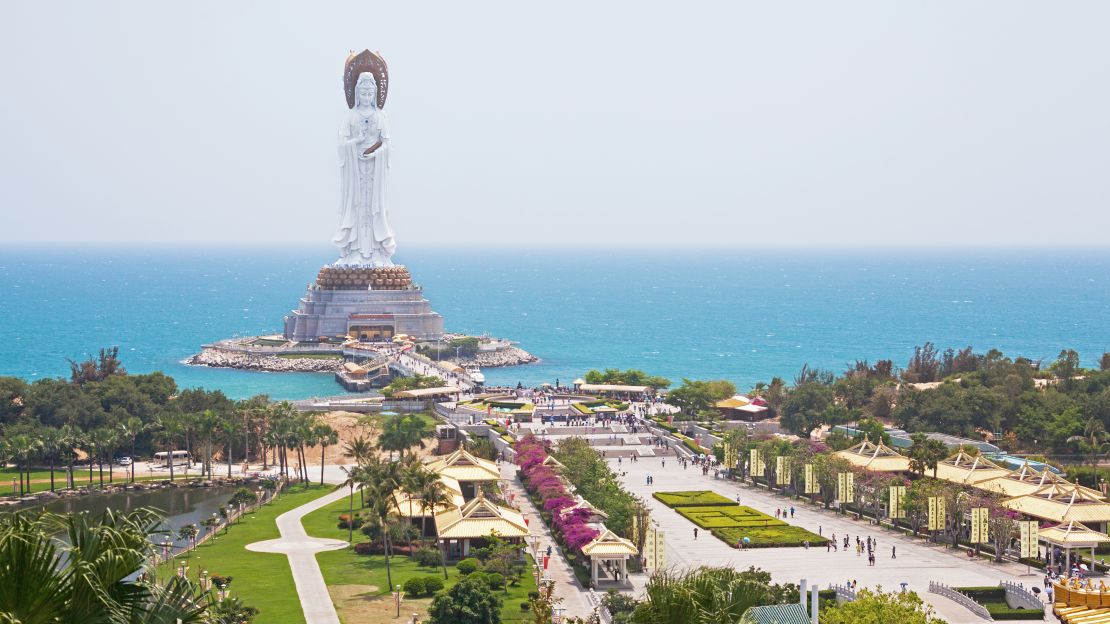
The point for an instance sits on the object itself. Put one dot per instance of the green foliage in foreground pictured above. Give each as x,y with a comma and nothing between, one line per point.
697,498
708,595
876,607
87,577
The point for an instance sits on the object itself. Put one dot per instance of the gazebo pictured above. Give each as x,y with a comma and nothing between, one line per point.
1072,535
609,546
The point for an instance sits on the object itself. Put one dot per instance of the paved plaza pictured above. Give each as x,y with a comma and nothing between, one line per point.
917,562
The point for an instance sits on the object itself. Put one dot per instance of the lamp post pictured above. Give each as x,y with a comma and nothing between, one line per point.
183,566
204,580
397,599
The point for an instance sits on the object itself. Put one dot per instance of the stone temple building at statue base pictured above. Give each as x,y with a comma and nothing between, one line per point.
369,304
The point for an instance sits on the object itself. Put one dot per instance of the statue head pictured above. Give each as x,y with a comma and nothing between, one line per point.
366,91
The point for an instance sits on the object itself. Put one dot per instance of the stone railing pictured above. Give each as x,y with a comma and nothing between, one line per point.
1018,597
843,593
603,614
943,590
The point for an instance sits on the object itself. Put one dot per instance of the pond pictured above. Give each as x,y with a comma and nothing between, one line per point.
180,506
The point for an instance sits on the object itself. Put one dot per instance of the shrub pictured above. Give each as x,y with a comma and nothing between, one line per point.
432,584
426,557
468,566
364,548
526,605
697,498
533,595
346,522
495,580
414,587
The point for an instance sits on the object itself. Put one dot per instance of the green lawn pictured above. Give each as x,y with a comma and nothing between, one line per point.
261,580
350,576
698,498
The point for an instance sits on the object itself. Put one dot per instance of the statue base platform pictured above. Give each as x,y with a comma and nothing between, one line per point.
371,304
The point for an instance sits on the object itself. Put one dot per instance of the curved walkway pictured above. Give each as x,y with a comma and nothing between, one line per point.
301,550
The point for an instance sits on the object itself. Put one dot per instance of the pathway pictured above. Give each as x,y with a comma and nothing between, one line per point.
301,550
917,562
558,568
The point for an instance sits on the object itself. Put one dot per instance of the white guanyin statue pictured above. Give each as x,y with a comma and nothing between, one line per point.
365,237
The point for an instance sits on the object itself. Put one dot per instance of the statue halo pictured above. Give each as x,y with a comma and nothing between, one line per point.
365,62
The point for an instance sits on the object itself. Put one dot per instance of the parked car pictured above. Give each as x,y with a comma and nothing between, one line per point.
124,461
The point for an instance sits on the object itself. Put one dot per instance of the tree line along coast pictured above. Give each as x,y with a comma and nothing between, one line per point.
1056,411
59,433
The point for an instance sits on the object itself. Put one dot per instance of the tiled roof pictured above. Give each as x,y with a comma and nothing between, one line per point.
609,544
462,466
479,518
877,457
1062,502
1073,534
968,469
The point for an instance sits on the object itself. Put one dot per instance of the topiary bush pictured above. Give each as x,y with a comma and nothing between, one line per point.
414,587
526,605
426,557
432,584
495,580
468,566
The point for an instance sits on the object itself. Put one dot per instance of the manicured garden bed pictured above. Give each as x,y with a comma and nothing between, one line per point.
994,599
731,523
731,516
698,498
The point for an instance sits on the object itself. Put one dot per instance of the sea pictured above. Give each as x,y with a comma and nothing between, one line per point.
745,315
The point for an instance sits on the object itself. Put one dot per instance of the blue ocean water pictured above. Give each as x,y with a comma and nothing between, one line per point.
739,315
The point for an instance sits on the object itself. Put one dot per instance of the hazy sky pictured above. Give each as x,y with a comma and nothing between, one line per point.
802,123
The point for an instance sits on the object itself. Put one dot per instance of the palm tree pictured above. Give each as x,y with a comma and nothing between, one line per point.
20,448
1094,439
425,484
230,429
403,432
50,441
208,424
86,577
188,532
130,429
170,430
325,436
70,440
353,478
101,441
380,480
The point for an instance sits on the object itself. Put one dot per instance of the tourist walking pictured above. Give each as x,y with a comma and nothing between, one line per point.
695,533
893,552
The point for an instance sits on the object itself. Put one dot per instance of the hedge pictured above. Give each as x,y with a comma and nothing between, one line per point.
728,517
696,498
768,537
994,599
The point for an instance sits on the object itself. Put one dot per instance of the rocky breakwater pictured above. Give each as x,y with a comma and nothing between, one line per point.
218,358
509,356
